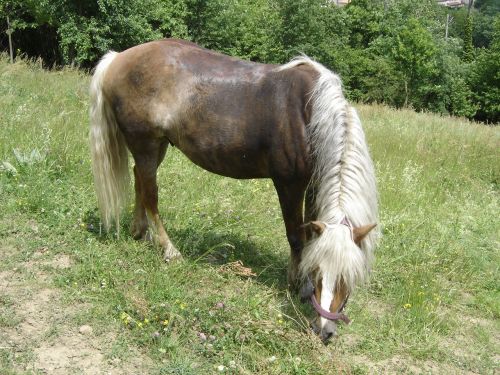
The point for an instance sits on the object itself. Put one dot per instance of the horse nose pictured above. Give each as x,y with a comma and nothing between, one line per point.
326,337
327,333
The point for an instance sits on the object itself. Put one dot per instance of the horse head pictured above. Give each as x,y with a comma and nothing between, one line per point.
329,279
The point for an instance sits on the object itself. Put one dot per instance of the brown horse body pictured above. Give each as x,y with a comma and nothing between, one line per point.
229,116
235,118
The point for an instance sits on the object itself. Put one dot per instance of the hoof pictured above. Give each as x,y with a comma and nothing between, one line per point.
171,253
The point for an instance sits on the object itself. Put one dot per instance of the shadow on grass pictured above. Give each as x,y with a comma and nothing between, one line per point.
216,248
211,247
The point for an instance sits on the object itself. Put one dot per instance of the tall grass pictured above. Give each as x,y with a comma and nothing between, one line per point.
434,289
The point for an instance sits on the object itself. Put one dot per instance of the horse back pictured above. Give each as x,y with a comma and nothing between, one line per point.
232,117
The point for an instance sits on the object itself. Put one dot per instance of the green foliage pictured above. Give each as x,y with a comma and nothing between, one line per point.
459,98
484,21
414,55
316,28
115,24
457,95
302,27
364,21
122,23
390,51
247,29
371,77
86,30
485,79
468,54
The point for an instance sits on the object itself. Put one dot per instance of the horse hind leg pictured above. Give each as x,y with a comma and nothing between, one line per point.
139,226
147,161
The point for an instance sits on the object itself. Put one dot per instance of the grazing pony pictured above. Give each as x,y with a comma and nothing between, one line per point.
241,119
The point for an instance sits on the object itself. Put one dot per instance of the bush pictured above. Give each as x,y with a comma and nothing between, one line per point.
385,51
485,79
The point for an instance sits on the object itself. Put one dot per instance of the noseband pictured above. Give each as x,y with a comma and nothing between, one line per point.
320,310
329,315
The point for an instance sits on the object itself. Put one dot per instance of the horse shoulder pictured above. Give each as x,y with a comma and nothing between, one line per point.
291,147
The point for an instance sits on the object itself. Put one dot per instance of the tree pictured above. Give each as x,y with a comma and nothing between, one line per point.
247,29
485,79
116,24
414,55
484,20
468,53
364,21
82,31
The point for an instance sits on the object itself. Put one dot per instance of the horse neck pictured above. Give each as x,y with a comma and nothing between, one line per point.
343,176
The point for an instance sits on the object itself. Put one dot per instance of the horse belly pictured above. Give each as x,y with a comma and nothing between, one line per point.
225,159
225,129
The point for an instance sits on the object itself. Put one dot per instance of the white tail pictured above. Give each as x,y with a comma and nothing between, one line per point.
109,151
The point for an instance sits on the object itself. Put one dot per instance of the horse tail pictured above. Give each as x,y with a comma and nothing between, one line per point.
343,184
108,149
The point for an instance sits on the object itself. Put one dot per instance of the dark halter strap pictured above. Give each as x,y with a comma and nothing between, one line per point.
329,315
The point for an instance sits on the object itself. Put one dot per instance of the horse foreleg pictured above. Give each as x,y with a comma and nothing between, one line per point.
147,198
291,198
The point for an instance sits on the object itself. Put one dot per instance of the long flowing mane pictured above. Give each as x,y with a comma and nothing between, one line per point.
343,183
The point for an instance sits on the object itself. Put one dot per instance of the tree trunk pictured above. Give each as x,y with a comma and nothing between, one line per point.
406,94
9,33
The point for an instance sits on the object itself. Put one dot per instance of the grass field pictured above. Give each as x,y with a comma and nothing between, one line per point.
75,300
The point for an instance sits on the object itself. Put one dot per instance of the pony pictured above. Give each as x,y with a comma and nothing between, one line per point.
290,123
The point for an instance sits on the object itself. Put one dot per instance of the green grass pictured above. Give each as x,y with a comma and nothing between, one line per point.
432,303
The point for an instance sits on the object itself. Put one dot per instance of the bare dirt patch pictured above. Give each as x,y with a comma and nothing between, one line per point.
40,332
405,365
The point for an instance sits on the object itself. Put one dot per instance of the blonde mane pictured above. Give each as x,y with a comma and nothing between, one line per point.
343,183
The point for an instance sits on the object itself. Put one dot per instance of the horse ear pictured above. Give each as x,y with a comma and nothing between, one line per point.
362,231
316,226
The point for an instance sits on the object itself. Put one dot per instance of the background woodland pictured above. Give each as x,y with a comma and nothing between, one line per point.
400,53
